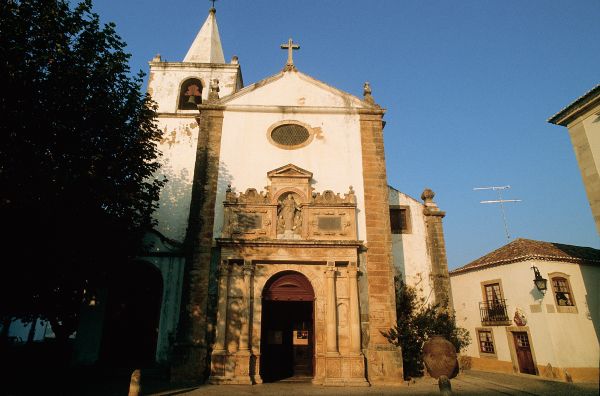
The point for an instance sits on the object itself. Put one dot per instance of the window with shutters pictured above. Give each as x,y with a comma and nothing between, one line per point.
563,294
485,337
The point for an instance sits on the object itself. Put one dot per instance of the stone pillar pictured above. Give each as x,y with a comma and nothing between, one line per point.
332,346
190,350
384,360
246,306
219,358
221,330
354,311
242,373
437,250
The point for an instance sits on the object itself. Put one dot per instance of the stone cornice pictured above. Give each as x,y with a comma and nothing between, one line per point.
579,107
301,109
293,243
192,65
178,115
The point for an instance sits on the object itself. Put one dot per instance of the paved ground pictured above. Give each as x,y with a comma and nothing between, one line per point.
467,383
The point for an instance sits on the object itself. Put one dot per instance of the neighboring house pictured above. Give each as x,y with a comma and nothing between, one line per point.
515,327
582,118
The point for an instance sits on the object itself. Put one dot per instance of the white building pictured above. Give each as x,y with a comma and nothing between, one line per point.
517,328
277,191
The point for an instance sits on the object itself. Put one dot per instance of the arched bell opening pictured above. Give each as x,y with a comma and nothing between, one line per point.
287,333
190,94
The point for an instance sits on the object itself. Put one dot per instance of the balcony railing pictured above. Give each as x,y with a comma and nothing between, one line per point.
494,313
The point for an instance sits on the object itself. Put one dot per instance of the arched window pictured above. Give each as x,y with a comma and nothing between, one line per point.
190,95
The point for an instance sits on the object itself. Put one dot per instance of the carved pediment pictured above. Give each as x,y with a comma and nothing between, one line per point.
290,170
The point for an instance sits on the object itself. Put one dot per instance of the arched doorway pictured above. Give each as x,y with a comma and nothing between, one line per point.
132,316
287,328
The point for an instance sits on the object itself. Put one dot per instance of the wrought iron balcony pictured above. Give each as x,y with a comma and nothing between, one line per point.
494,313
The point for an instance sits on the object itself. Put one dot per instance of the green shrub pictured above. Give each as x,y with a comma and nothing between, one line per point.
416,322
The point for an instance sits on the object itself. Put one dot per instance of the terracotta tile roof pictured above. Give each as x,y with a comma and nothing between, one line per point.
527,249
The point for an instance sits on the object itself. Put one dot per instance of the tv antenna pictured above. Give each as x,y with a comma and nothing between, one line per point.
500,201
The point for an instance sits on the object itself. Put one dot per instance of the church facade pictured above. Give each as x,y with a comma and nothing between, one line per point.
278,238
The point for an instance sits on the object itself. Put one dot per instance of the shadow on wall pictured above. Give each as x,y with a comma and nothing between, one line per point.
591,280
397,242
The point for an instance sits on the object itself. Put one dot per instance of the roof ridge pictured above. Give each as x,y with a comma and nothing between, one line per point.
527,249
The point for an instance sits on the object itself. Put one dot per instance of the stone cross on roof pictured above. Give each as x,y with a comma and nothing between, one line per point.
290,46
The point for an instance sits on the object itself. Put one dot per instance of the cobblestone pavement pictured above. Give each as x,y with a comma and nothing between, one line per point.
467,383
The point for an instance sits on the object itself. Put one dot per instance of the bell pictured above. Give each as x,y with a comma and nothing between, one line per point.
192,99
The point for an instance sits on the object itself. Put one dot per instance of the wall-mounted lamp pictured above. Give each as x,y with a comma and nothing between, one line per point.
538,281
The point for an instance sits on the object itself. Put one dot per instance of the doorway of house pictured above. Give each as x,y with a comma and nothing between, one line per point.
523,351
287,333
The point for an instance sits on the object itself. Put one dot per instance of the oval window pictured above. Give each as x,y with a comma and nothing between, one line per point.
290,135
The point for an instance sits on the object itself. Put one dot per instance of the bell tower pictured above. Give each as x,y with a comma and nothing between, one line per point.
178,88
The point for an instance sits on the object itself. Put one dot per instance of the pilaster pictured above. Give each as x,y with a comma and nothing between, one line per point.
190,350
437,250
384,361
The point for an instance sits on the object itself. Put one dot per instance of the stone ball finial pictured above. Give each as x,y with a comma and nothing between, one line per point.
427,195
157,58
235,60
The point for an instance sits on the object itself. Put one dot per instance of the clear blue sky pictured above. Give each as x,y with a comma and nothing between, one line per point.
468,87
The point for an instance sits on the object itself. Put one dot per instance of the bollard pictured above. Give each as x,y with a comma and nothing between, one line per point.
445,386
135,383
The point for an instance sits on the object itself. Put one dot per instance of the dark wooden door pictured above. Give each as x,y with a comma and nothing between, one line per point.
523,349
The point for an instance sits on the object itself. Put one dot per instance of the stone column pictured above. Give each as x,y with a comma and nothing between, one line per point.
190,350
354,311
224,270
437,250
244,344
384,360
332,346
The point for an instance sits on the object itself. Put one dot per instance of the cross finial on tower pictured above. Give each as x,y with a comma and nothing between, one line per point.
290,46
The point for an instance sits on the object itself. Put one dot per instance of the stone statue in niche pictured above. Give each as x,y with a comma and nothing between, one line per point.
289,218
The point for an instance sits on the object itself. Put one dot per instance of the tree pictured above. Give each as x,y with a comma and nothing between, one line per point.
77,158
416,322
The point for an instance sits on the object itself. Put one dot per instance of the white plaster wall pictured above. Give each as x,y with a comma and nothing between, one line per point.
561,339
411,257
178,147
294,89
334,155
166,78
